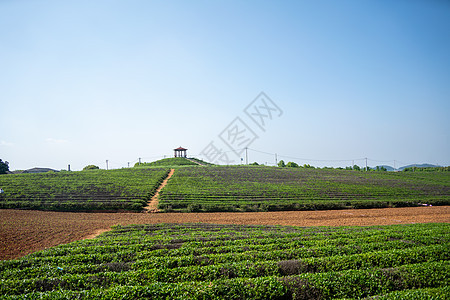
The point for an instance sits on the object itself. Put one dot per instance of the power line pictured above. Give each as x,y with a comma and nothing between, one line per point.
262,152
277,157
307,159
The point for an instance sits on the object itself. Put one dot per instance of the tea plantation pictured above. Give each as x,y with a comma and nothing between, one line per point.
205,261
247,188
93,190
196,188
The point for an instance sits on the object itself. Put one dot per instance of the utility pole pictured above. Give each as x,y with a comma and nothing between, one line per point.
394,165
139,161
106,164
246,156
128,164
366,165
276,160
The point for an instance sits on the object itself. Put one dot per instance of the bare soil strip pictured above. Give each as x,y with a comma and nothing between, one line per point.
153,204
95,234
26,231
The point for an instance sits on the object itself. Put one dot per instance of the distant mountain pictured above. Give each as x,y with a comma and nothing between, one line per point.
419,166
39,170
388,168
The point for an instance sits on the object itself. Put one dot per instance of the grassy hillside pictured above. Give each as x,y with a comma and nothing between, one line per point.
125,189
173,162
244,188
205,261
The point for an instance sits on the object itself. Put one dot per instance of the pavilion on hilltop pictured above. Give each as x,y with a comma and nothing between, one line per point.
180,152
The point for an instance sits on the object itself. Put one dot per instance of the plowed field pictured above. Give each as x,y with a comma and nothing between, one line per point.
24,231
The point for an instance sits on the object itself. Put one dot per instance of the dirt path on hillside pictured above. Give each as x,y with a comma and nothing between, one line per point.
26,231
198,163
96,234
153,204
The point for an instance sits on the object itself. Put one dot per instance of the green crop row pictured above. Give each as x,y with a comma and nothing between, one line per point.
284,245
248,265
329,285
417,294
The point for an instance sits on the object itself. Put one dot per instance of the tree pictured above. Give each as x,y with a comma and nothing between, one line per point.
281,164
382,169
4,167
356,168
91,167
291,165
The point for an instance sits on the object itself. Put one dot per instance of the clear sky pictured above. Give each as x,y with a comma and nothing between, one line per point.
82,82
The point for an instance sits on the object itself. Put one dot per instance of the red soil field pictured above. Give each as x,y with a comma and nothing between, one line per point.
26,231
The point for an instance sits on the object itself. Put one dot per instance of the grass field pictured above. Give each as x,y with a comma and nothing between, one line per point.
206,261
93,190
246,188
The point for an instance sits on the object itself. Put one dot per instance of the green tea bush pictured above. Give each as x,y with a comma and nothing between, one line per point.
209,261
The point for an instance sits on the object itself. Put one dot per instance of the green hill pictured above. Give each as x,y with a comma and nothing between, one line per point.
420,166
172,162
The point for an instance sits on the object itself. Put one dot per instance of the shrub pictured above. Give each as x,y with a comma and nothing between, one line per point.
117,266
300,288
281,164
308,166
90,167
292,267
4,167
292,164
263,207
193,207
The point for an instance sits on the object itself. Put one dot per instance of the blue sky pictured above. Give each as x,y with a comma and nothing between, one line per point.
82,82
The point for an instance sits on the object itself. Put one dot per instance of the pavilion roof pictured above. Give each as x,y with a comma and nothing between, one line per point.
180,149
